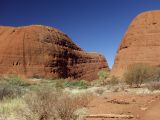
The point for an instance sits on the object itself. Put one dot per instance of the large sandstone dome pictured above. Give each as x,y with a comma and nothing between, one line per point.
141,43
45,52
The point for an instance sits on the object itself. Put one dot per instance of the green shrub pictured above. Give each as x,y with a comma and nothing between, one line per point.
10,91
12,86
82,84
14,80
102,75
137,74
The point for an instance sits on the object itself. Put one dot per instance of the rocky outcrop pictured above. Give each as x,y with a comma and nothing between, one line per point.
41,51
141,43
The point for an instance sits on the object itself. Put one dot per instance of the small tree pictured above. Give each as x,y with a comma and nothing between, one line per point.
137,74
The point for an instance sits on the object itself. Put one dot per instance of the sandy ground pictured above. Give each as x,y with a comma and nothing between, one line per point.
141,106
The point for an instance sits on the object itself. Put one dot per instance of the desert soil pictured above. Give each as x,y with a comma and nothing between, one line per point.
141,106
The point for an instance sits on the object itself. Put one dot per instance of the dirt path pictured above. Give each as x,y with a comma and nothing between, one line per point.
142,107
153,113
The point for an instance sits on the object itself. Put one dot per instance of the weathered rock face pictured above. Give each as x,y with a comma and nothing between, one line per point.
141,43
45,52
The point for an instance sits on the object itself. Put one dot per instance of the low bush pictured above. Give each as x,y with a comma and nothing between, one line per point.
43,85
137,74
155,74
13,80
48,105
103,74
113,81
83,99
41,104
82,84
12,86
154,80
66,106
153,86
8,91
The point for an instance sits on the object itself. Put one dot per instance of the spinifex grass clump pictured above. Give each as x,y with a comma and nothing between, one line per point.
12,86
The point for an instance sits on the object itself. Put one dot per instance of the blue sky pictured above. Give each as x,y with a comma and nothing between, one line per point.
94,25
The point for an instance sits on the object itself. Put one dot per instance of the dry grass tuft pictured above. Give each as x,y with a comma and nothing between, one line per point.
49,105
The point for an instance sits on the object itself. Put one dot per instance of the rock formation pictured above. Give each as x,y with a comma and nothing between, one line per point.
141,43
41,51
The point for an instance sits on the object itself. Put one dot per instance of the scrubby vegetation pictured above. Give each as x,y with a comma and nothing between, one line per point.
113,81
41,99
58,99
153,86
103,75
51,105
137,74
44,105
11,87
105,79
82,84
22,100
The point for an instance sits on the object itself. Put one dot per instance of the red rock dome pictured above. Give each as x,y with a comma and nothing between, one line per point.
45,52
141,43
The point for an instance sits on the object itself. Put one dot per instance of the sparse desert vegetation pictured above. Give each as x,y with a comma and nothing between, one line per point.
22,99
137,74
62,99
47,99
